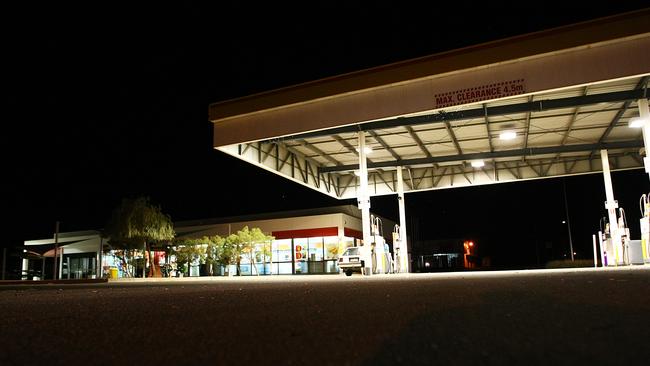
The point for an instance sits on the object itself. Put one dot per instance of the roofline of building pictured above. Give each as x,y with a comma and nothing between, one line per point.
554,39
350,210
69,234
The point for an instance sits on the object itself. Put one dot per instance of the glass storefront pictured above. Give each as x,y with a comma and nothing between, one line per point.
332,253
313,255
316,255
78,266
281,262
300,253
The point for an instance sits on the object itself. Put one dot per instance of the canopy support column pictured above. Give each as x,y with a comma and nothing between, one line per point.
645,115
403,246
611,205
363,200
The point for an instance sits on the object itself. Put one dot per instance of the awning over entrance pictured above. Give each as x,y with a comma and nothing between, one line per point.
72,243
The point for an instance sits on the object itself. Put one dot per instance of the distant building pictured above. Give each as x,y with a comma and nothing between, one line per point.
306,242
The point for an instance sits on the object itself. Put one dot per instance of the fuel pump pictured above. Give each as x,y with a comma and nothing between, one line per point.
397,249
644,204
606,246
625,236
378,247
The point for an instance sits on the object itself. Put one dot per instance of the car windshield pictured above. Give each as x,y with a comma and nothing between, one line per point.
351,251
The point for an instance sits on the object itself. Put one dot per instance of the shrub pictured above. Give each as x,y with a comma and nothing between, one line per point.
567,263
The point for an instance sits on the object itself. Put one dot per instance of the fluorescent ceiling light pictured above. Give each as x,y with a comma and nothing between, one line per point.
508,135
478,163
366,149
637,122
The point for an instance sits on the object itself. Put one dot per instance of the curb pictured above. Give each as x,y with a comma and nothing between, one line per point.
48,282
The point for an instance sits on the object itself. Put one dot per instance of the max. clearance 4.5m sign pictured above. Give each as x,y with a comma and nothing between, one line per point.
478,93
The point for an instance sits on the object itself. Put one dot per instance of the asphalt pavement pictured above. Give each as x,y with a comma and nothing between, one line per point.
537,317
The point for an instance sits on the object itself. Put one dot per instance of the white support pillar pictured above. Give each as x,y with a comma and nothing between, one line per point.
611,205
595,255
61,263
645,115
99,268
602,249
363,200
403,246
24,266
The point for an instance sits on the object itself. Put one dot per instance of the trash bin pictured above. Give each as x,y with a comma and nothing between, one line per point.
113,272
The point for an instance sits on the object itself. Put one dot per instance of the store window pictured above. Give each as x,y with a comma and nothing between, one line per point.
300,253
284,268
281,250
315,249
262,255
346,243
331,254
315,256
331,247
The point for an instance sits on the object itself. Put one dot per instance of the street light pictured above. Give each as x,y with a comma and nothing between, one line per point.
566,207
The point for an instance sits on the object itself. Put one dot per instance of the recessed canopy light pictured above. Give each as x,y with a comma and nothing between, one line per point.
478,163
637,122
366,149
508,135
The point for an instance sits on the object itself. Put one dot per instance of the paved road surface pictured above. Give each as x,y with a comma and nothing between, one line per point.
552,317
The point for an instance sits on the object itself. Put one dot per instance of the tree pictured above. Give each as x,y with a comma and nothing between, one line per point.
233,242
249,238
214,251
136,223
186,251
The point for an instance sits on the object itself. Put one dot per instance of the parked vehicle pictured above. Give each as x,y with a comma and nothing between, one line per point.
350,261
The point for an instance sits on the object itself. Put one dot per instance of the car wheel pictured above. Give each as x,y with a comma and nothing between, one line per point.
348,272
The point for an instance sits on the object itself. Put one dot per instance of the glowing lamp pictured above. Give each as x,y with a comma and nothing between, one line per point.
637,122
508,135
366,149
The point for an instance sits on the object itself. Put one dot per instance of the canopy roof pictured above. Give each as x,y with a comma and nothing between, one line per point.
565,93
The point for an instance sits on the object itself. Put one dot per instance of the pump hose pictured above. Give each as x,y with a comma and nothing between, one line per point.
622,211
642,203
380,229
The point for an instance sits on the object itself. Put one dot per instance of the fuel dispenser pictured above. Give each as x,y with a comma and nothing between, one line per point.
397,249
379,251
624,231
644,204
605,240
615,252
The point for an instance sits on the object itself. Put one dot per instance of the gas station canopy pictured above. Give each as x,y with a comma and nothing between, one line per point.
534,106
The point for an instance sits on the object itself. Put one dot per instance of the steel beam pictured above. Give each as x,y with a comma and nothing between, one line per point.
493,155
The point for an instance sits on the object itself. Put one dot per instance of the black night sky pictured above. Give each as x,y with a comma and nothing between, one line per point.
111,101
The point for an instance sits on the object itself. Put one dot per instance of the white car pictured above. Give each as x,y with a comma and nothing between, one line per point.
350,261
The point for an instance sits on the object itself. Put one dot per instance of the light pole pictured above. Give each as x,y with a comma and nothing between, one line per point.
568,222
